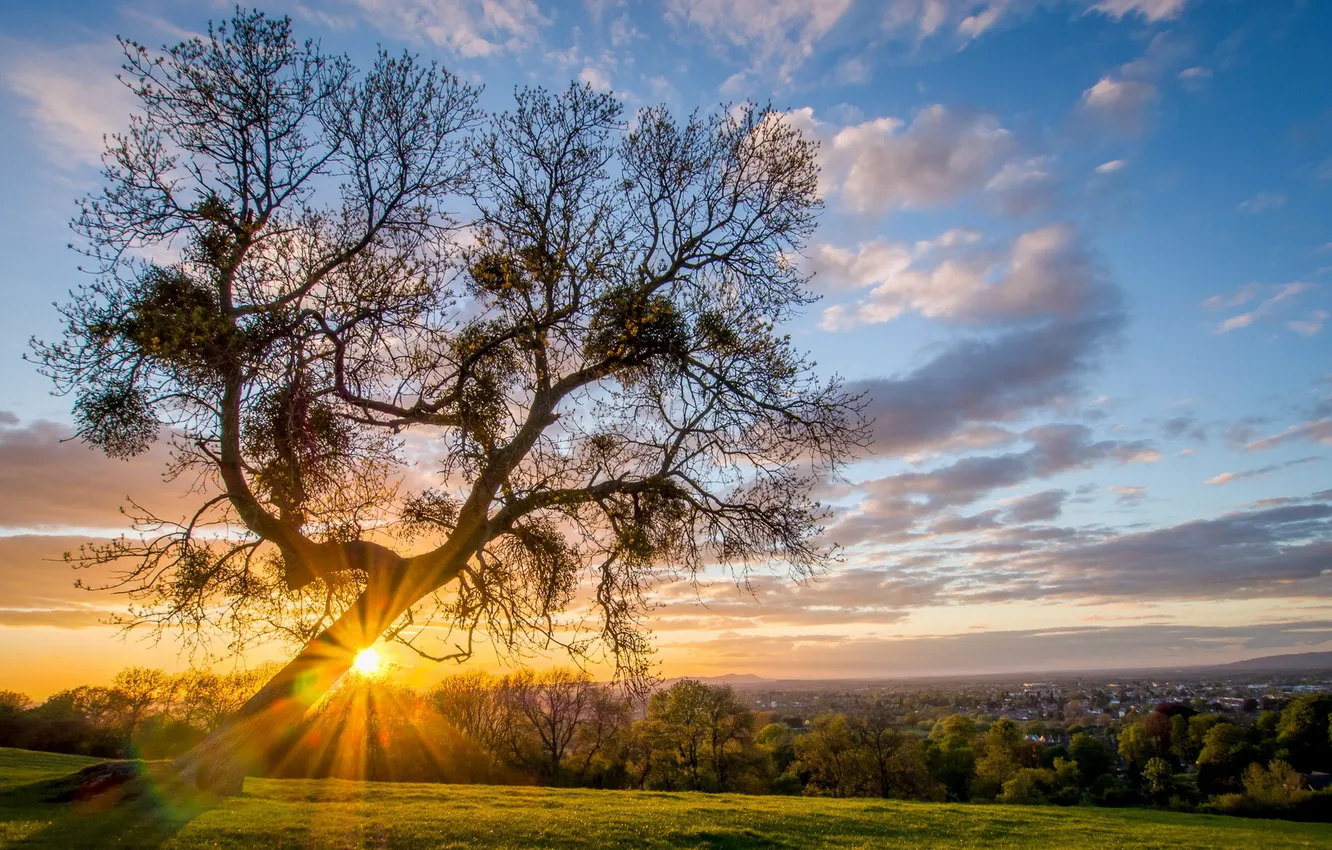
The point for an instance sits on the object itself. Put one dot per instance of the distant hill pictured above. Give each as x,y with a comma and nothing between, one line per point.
1291,663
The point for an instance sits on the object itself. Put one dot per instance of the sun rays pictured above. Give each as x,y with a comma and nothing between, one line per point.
368,662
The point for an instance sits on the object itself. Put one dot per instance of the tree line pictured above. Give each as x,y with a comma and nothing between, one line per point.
560,727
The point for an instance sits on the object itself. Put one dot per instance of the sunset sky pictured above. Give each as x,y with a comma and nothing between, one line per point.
1078,253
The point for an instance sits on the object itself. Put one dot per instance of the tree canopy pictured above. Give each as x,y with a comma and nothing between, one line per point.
428,369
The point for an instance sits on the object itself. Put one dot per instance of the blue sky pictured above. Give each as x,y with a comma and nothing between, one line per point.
1078,252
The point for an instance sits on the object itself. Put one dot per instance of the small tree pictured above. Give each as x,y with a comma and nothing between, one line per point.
1092,757
999,759
829,756
1304,731
1158,779
557,722
576,313
1135,747
703,730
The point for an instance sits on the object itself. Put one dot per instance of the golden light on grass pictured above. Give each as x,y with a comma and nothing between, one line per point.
368,662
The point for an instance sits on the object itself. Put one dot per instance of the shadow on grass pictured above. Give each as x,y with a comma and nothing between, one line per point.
143,812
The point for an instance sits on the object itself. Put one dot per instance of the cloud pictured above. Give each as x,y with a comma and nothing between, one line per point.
594,77
1228,477
1123,99
1024,186
1274,304
1119,102
1151,10
985,380
57,618
1091,647
778,34
1184,426
1196,77
1263,202
1279,551
1045,506
842,597
469,28
39,585
71,96
1046,273
1243,295
1317,431
962,19
1311,326
1129,495
892,504
1112,166
48,481
885,163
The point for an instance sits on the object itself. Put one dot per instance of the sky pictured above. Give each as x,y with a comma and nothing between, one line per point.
1078,253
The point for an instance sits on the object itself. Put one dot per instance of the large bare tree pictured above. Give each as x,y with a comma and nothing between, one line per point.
321,284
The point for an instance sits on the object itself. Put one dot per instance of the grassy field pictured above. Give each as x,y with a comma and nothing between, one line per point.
275,814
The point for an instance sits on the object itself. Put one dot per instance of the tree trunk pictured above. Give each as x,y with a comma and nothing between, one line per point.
219,763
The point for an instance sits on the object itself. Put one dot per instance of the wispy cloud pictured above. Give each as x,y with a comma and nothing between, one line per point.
1123,99
71,96
469,28
1263,202
1150,10
776,35
1230,477
1317,431
1281,299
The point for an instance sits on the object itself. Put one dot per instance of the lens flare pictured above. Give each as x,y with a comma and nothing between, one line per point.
368,662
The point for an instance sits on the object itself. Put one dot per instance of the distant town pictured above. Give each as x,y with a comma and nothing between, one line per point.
1091,698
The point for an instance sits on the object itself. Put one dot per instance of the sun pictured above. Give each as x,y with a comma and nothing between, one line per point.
368,662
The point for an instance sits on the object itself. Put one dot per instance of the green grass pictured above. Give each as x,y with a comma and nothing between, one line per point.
274,814
22,767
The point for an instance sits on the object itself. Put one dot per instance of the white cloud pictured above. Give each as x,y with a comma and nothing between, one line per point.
470,28
1311,326
1129,494
1120,102
594,77
1023,186
1262,202
1152,10
775,33
1318,431
1243,295
1281,295
1123,98
1112,166
925,18
884,163
1228,477
1044,273
853,71
622,32
965,20
71,96
1195,77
